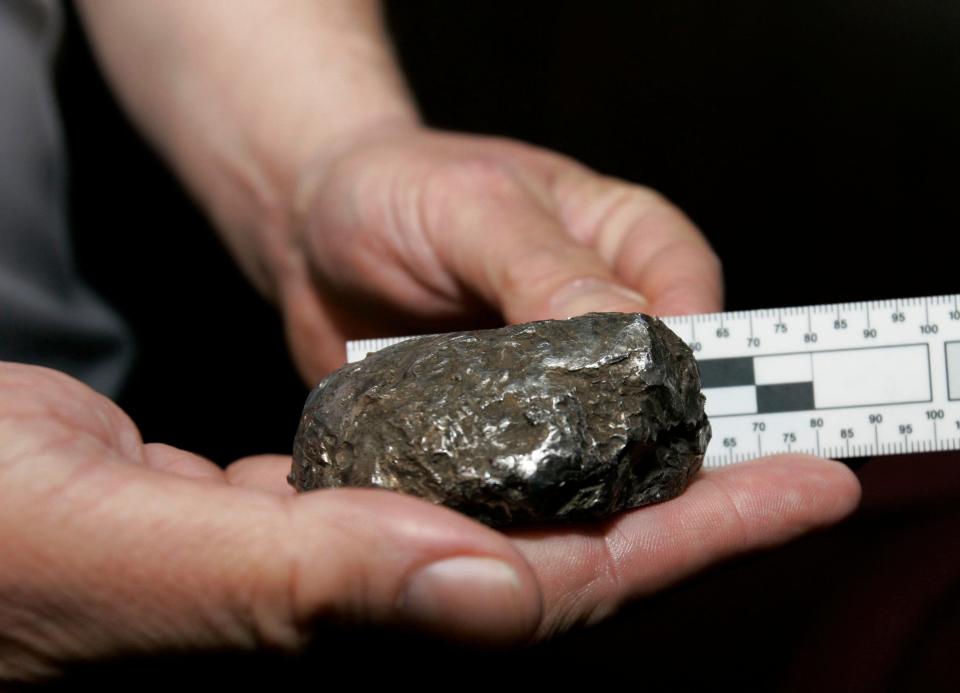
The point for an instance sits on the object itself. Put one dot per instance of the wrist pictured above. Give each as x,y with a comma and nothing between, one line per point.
239,97
279,211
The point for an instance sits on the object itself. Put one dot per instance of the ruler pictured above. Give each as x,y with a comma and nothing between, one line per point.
841,380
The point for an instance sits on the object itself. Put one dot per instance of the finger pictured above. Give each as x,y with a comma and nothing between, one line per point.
316,342
128,559
264,472
587,574
166,458
649,243
506,244
404,561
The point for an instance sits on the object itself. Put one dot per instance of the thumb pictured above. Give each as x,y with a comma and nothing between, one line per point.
377,557
508,244
130,559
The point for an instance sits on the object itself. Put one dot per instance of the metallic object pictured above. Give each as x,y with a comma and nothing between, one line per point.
554,420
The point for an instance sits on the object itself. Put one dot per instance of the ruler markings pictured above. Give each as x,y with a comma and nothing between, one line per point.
866,353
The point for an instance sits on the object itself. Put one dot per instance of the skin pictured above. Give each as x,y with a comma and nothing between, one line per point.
361,222
114,547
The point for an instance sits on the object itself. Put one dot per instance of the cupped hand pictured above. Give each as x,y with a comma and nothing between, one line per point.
114,547
411,230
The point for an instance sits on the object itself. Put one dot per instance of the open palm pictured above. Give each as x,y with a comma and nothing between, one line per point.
114,547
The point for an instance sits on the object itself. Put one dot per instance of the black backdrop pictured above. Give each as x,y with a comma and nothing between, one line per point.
816,143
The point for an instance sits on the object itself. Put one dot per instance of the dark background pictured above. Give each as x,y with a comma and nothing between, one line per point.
815,143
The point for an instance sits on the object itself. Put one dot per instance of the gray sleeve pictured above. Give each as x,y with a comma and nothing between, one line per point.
48,315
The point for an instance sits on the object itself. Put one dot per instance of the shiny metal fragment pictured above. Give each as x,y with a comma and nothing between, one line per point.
553,420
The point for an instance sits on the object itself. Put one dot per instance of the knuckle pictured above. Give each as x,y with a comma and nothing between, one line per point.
716,264
283,607
541,270
646,195
637,200
519,273
470,174
450,185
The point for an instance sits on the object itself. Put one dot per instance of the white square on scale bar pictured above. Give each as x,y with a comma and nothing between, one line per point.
777,370
864,377
953,369
729,401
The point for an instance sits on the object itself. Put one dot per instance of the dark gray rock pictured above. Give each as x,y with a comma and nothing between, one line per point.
554,420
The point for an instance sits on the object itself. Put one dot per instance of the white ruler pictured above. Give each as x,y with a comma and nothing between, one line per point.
839,381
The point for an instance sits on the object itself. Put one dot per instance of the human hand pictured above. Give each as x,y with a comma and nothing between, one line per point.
308,156
408,230
113,547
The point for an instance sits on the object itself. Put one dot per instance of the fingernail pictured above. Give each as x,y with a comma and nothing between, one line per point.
595,295
466,597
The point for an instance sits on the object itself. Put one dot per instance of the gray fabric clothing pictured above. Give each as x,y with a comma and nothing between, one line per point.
48,315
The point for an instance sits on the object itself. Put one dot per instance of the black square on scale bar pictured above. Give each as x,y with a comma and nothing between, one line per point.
734,372
772,399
